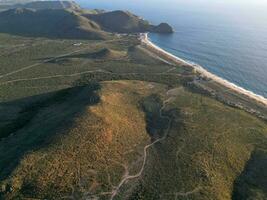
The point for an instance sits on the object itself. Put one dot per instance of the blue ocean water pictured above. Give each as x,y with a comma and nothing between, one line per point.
228,39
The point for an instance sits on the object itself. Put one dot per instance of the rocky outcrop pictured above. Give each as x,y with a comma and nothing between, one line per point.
162,28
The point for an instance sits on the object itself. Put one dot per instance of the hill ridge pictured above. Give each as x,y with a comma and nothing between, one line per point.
54,23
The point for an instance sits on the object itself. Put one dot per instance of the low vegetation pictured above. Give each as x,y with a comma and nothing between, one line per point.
109,119
38,5
64,19
207,148
87,158
126,22
51,23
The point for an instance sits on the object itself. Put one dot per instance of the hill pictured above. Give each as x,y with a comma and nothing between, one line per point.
114,120
66,20
162,28
10,2
38,5
75,123
55,23
109,125
126,22
120,21
107,53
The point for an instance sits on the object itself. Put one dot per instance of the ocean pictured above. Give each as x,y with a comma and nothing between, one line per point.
228,39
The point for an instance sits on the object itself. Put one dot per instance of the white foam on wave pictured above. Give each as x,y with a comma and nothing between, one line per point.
206,73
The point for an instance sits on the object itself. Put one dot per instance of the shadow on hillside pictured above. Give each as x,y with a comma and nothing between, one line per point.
157,118
252,183
155,123
71,35
100,54
162,159
93,55
38,120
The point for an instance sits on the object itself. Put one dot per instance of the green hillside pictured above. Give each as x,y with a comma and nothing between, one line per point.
89,114
126,22
120,21
201,157
71,22
75,121
49,23
65,19
38,5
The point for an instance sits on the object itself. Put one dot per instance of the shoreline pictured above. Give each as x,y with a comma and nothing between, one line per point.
205,73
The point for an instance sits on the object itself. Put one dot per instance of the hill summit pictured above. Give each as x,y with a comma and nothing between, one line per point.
65,19
54,23
38,5
126,22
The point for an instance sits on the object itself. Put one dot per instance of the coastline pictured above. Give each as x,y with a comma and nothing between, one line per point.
203,72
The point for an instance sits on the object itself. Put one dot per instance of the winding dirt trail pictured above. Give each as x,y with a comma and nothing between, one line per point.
40,63
48,60
146,148
76,74
50,77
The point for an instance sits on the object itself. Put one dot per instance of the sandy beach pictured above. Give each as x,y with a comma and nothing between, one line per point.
145,40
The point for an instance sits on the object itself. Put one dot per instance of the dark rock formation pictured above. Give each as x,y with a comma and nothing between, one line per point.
162,28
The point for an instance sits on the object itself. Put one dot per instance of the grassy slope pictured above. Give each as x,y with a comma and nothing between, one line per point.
126,22
207,148
120,21
211,150
87,57
91,155
51,23
67,20
38,5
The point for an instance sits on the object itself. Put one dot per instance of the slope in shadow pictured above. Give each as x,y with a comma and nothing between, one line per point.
161,121
252,183
102,54
39,123
155,123
50,23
